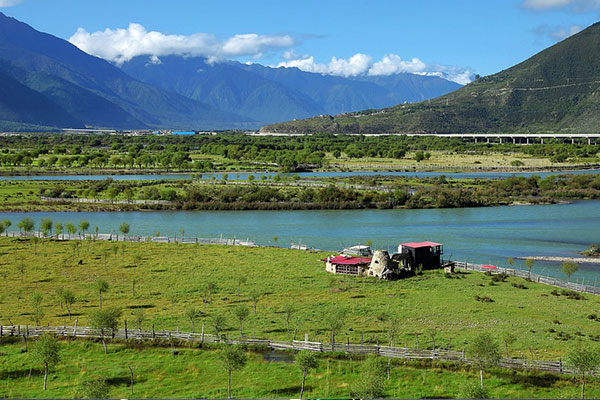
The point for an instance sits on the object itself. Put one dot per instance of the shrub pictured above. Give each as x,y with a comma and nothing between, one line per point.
472,390
484,299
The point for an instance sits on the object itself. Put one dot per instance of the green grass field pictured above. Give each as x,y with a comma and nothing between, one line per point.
171,278
197,373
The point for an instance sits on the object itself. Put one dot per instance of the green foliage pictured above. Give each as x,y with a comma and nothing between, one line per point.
473,390
93,388
569,268
105,320
372,381
483,351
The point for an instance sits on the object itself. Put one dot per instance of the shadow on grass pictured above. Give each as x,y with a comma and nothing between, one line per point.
142,306
536,379
72,315
20,373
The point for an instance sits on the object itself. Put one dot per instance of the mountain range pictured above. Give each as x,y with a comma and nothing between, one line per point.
556,90
47,83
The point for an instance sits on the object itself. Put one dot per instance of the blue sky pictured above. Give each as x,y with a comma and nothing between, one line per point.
365,37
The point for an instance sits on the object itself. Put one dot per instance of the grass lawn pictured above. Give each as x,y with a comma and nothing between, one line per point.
171,278
197,373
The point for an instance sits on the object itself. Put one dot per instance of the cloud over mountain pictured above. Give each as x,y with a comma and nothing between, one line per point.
121,45
390,64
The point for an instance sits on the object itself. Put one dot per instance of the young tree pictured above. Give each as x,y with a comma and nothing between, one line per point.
102,287
383,317
218,323
83,227
139,317
289,310
584,361
2,228
508,338
335,320
26,225
105,320
59,229
233,359
211,287
306,361
192,314
569,268
241,312
7,224
21,267
371,384
71,229
529,265
46,226
241,279
38,311
254,296
46,351
95,388
67,297
124,228
484,352
511,261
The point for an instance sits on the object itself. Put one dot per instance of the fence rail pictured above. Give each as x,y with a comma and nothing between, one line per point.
131,238
384,351
547,280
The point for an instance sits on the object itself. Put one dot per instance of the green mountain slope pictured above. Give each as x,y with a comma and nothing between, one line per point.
557,90
19,103
83,84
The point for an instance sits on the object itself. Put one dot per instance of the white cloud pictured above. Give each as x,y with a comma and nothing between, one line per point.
120,45
574,5
358,64
393,64
362,64
9,3
557,33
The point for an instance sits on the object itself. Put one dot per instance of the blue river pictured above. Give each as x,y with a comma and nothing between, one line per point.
481,235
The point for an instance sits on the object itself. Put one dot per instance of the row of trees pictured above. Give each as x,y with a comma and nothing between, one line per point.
483,351
287,152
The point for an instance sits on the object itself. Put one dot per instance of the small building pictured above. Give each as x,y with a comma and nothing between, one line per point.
428,255
348,265
358,250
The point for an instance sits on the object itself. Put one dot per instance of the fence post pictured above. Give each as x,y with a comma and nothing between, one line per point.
202,335
1,331
75,328
126,329
306,337
362,338
560,365
153,330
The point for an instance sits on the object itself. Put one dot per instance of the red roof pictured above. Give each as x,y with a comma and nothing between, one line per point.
416,245
341,260
489,267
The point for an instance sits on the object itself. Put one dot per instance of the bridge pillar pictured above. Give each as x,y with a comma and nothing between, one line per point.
542,140
500,140
514,140
527,140
488,140
589,141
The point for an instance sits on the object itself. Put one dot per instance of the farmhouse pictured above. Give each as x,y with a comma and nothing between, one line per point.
411,258
423,255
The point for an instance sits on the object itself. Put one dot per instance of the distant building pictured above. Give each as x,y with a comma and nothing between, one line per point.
348,265
428,255
358,250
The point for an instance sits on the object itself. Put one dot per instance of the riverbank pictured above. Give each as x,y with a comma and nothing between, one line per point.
581,260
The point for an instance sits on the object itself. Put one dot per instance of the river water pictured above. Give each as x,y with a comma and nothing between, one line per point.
244,175
480,235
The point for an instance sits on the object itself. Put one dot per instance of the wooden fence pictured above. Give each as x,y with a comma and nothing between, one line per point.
547,280
350,348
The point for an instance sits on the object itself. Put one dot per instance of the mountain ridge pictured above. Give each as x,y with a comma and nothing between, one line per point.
555,90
